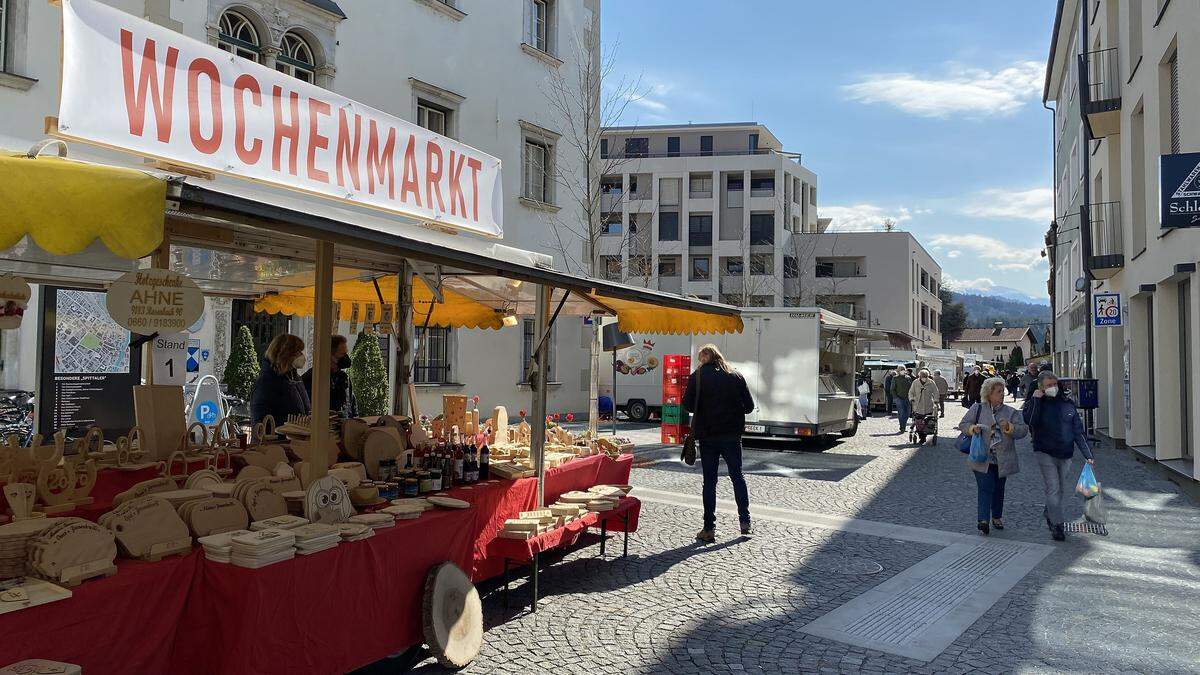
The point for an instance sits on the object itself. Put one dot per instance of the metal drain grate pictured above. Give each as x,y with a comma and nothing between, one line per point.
1085,527
920,611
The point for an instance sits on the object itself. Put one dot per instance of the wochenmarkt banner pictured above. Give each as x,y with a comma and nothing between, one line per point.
136,86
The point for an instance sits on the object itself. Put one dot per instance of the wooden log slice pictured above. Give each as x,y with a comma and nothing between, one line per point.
451,616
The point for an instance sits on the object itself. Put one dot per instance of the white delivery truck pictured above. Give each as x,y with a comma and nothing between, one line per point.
949,361
639,373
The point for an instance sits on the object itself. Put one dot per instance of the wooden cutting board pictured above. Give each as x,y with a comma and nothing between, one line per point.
146,487
216,515
380,443
72,550
147,528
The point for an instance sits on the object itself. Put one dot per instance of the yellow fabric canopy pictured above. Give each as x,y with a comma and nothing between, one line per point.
641,317
458,311
64,205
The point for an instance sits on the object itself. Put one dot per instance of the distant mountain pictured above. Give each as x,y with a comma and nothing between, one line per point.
984,310
1010,293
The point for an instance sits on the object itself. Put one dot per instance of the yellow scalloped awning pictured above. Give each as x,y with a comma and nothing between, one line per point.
458,311
642,317
64,205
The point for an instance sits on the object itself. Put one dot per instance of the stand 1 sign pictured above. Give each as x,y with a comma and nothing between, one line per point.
170,354
155,301
1106,309
1179,190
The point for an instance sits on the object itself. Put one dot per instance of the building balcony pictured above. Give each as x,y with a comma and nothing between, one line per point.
1100,91
610,202
1105,239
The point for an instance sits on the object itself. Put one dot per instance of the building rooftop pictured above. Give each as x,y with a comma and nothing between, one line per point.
767,138
329,6
992,335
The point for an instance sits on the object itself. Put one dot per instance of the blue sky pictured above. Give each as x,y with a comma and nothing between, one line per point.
925,112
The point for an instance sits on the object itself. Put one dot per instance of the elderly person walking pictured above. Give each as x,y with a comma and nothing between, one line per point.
1057,432
901,384
887,390
971,386
943,391
1000,425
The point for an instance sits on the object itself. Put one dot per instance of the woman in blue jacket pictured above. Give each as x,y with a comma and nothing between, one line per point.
1057,432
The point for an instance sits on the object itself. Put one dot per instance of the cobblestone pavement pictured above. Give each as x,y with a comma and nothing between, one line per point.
1129,602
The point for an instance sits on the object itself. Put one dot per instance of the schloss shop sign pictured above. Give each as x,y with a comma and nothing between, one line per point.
1179,190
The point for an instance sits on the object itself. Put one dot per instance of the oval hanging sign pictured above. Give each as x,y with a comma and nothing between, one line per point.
14,297
155,301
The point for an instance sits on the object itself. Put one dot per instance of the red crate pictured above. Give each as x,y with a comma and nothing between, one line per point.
672,397
672,434
677,361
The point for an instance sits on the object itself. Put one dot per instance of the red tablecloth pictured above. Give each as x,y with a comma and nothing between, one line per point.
524,549
330,612
122,624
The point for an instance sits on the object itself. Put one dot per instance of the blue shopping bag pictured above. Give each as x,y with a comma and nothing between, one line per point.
1087,485
979,449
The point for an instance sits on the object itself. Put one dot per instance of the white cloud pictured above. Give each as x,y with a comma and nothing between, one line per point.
862,217
1033,204
997,254
953,283
953,254
962,91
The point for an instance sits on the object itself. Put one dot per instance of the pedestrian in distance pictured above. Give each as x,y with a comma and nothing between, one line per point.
341,394
943,391
1057,433
864,393
1000,425
971,386
279,391
718,398
887,390
923,395
1014,386
1029,380
901,384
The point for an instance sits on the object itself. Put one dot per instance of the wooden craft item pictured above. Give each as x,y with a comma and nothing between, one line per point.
252,473
354,432
606,491
536,515
451,616
500,423
375,520
355,531
357,467
148,528
283,470
280,485
146,487
14,544
92,443
365,495
522,524
261,502
576,497
602,505
227,433
327,501
258,459
177,498
448,502
41,667
176,467
159,412
73,550
215,515
203,479
275,455
381,442
284,522
21,498
348,476
23,593
454,410
413,502
403,512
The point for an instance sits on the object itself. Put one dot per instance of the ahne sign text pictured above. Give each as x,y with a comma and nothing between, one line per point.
136,86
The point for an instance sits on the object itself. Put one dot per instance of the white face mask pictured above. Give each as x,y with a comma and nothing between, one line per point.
1052,391
298,362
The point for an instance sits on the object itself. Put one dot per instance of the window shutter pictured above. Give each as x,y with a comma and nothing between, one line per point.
1175,112
528,22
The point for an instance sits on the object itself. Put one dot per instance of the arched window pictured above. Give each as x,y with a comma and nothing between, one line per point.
238,36
296,58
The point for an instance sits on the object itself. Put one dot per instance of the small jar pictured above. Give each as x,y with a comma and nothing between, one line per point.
411,486
425,482
435,480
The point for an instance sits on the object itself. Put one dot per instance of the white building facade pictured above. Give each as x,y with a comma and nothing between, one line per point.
474,70
1136,99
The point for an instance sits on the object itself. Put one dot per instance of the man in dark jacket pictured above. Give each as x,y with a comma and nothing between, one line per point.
1057,432
718,398
901,383
887,389
341,395
1028,381
971,386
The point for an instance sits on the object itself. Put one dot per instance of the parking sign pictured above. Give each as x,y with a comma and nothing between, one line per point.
1106,309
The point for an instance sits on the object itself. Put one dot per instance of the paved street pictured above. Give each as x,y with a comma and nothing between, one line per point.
831,526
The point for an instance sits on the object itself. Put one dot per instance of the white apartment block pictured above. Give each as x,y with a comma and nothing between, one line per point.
884,280
475,70
1122,75
706,210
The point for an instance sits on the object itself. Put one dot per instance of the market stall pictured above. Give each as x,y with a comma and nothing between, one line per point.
255,541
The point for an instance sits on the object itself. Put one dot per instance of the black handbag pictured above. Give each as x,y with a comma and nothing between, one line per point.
688,456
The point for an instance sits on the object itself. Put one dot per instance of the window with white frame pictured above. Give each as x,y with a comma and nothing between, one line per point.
529,342
296,58
432,357
539,24
237,35
433,117
536,171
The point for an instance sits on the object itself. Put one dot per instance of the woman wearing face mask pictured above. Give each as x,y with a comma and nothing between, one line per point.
279,391
341,395
1000,425
924,396
1057,432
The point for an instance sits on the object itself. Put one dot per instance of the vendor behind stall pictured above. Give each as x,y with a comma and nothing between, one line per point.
279,391
341,396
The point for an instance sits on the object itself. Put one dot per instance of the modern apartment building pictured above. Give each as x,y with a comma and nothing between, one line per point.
882,279
419,60
1121,75
707,210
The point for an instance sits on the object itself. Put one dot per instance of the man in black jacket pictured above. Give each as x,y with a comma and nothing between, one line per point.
719,400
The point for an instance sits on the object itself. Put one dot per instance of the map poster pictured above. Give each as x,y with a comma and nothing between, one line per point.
87,375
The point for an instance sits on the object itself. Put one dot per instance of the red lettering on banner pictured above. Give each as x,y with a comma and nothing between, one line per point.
476,166
315,140
381,163
135,102
347,152
433,176
289,131
245,83
197,68
457,205
410,184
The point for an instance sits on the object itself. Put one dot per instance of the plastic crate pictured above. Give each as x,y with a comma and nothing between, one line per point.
672,434
673,413
677,360
672,398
